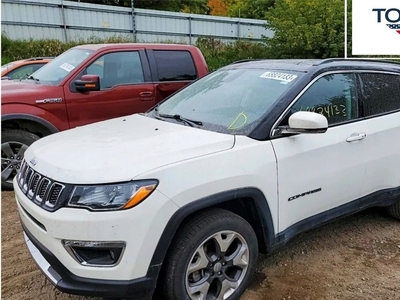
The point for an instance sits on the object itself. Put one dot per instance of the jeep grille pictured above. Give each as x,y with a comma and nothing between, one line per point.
38,188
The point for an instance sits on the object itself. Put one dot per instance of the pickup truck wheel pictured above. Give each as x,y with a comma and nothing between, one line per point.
14,142
394,210
213,257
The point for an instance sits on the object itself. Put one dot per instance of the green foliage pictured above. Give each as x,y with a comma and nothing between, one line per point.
216,53
306,29
20,49
255,9
219,54
190,6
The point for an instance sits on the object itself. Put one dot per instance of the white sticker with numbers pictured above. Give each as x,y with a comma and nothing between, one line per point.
285,77
67,67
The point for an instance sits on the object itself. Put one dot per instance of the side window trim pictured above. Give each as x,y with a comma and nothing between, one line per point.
153,66
303,91
361,94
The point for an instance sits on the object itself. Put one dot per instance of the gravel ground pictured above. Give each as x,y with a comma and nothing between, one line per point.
355,258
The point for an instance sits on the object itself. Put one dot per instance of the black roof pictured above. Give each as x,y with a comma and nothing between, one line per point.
306,65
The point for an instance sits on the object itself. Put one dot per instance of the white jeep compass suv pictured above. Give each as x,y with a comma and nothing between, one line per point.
183,197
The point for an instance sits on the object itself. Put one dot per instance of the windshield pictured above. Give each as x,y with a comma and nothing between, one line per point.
56,70
229,101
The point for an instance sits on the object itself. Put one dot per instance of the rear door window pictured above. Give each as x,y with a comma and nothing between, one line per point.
381,93
175,65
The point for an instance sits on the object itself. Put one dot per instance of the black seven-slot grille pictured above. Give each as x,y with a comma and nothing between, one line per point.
38,188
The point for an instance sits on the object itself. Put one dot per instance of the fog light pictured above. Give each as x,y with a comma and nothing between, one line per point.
95,254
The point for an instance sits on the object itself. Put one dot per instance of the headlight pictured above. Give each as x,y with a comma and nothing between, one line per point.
112,196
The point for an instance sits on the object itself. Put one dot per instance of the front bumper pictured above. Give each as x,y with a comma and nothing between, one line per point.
143,288
140,228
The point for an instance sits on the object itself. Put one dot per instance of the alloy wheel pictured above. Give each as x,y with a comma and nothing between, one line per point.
217,267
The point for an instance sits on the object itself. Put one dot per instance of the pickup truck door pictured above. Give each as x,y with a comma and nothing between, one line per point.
125,88
171,70
321,176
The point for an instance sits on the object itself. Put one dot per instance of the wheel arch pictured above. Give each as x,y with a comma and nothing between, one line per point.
249,203
33,124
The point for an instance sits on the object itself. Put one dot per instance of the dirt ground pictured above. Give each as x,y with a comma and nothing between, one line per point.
355,258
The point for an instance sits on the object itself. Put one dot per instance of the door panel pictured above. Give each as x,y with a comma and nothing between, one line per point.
382,106
163,90
172,70
124,90
318,172
383,146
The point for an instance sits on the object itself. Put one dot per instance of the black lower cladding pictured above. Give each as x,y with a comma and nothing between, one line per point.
141,288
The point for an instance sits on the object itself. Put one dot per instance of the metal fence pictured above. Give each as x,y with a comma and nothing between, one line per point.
68,21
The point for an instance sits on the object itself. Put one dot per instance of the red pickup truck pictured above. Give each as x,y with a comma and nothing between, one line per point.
87,84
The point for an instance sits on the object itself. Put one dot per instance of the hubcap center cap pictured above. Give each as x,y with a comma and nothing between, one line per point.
218,267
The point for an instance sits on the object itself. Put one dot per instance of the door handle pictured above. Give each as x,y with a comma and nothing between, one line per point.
356,137
146,94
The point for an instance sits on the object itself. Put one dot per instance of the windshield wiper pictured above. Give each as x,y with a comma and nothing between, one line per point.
182,119
31,78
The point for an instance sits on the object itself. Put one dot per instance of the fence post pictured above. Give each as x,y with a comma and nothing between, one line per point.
190,30
238,30
64,23
133,20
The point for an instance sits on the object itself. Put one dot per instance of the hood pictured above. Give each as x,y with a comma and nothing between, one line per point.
26,91
120,149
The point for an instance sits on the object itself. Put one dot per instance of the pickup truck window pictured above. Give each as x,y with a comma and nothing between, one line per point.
117,68
334,96
56,70
175,65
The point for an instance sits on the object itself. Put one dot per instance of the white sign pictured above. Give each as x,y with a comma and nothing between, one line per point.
376,27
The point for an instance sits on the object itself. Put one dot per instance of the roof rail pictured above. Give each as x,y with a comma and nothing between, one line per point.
245,60
329,60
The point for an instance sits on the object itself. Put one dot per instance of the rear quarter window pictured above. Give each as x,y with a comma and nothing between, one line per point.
175,65
381,93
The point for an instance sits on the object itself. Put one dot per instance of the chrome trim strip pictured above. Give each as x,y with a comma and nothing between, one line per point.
31,191
48,194
41,183
93,244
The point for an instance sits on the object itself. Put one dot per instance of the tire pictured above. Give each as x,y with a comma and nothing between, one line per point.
206,232
394,210
14,142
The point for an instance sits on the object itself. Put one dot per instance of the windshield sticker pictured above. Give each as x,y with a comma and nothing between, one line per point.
67,67
284,77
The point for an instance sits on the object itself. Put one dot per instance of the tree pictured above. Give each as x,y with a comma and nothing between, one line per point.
218,7
253,9
306,29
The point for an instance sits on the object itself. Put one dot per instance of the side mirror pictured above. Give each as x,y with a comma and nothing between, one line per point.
88,83
306,122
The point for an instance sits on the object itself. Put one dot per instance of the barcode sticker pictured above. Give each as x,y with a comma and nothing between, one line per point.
279,76
67,67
